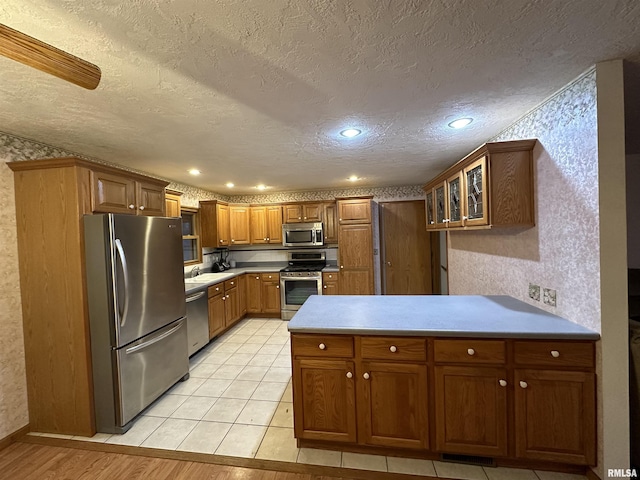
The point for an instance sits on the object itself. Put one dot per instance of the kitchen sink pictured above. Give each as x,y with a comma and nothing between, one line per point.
206,278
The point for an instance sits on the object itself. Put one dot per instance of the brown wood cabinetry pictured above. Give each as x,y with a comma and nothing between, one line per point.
226,304
355,245
52,195
266,224
242,294
270,293
302,212
531,401
354,210
330,219
254,293
214,218
239,224
490,187
113,192
217,314
330,285
172,203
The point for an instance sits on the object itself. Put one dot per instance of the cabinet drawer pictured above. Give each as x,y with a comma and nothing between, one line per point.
561,354
216,289
470,351
229,284
270,276
393,348
322,346
329,276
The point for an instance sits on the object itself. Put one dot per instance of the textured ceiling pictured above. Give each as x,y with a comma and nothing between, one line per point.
256,91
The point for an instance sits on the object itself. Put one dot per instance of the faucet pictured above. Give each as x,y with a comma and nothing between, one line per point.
195,271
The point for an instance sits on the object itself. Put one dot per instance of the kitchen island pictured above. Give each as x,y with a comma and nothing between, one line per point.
425,376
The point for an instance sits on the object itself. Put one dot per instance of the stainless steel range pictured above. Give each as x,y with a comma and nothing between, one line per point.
300,279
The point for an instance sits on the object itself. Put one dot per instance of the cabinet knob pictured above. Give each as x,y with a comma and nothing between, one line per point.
221,240
340,219
257,278
365,376
232,283
141,207
503,383
330,276
269,276
299,218
389,263
523,384
132,206
268,239
349,375
464,217
341,266
265,239
277,286
232,240
228,296
305,218
393,349
217,289
431,222
555,353
224,298
471,351
322,346
325,286
446,220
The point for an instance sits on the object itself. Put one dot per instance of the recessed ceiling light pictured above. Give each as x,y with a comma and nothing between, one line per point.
354,178
350,132
461,122
261,187
230,184
194,171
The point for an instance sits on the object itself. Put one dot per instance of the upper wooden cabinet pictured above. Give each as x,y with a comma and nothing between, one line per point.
490,187
356,210
239,224
302,212
115,192
172,203
214,218
330,219
266,224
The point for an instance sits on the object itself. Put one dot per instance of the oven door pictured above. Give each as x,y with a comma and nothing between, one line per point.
294,292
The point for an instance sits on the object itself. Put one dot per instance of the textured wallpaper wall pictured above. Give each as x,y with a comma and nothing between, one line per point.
561,252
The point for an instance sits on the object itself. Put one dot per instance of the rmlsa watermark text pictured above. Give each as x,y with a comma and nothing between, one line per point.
622,473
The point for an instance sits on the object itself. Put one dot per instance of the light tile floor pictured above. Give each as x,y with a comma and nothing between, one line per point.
238,402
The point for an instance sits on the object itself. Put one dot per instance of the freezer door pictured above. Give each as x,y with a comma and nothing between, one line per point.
147,265
147,368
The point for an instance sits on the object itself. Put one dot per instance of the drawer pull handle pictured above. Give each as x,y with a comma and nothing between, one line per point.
365,376
349,375
132,207
555,353
503,383
393,349
232,283
322,346
523,384
141,207
471,351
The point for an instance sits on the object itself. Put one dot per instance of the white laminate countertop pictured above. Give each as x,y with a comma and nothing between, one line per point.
492,316
207,279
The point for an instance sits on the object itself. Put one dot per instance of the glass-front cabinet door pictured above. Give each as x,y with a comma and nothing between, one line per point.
455,200
475,184
440,193
431,223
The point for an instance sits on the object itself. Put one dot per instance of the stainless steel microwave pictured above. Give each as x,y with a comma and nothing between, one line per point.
302,234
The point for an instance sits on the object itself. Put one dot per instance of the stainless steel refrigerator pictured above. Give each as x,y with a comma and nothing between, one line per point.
135,287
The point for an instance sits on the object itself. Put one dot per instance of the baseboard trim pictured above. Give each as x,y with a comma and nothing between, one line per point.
14,437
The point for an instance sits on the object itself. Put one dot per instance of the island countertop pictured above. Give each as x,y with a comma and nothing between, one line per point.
490,316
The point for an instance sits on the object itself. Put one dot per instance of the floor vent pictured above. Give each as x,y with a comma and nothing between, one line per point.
468,459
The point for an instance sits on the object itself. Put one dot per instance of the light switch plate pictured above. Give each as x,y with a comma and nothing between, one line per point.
534,292
549,296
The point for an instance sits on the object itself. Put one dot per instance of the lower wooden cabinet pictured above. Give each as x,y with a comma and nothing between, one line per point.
471,410
216,315
263,293
555,416
330,285
325,399
392,405
484,397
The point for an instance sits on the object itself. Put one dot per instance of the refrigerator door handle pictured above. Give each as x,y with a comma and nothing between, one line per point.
194,297
144,345
125,272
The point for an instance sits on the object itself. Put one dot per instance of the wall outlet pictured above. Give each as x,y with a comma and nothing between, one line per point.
534,292
549,297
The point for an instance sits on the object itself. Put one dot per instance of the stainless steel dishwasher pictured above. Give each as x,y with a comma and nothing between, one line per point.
197,319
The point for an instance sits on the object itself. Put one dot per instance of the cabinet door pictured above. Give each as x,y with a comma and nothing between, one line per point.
172,205
232,307
354,211
242,295
429,210
356,260
330,284
392,405
222,220
216,315
555,416
258,227
455,200
292,213
330,219
274,224
324,400
355,282
475,188
471,410
239,225
271,295
254,293
150,199
112,193
312,212
440,205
